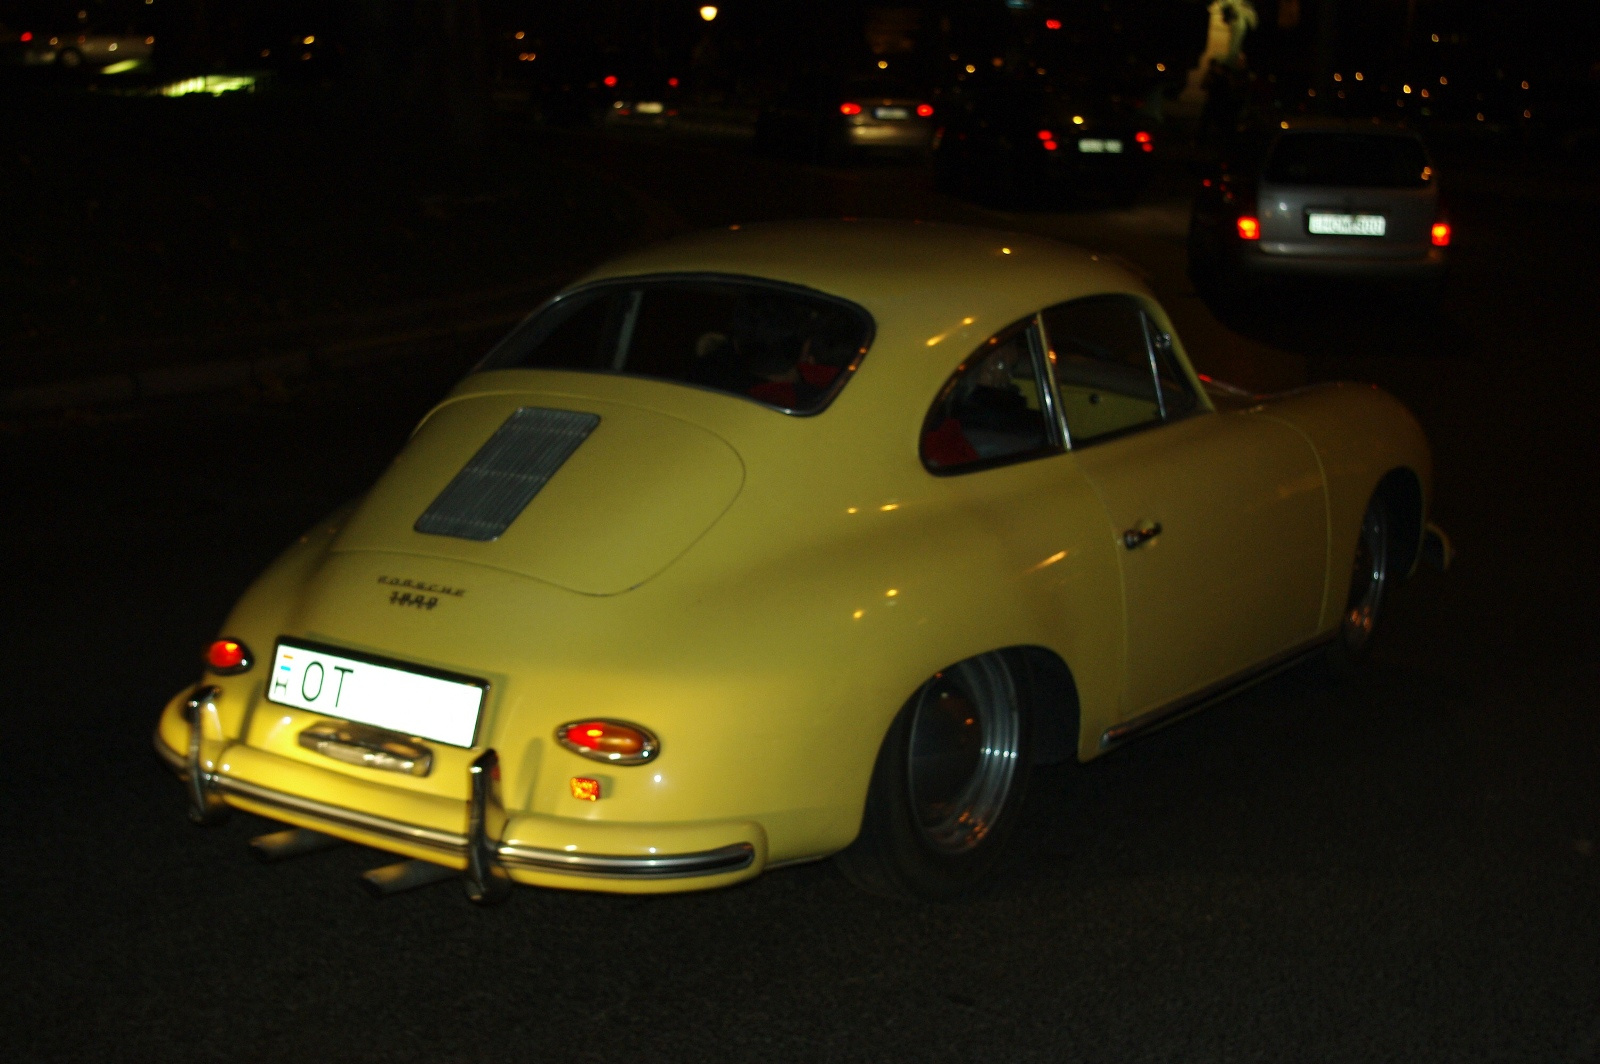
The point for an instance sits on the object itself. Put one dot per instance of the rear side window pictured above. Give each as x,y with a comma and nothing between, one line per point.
992,410
788,347
1348,160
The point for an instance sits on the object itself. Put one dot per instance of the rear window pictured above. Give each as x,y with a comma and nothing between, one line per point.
1348,160
787,347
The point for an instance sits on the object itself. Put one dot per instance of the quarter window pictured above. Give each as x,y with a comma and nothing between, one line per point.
1115,372
992,410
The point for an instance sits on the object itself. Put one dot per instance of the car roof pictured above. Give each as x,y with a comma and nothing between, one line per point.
919,280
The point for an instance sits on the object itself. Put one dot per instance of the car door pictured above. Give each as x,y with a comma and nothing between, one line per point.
1220,517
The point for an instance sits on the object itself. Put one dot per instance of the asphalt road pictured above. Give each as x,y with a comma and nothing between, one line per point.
1404,867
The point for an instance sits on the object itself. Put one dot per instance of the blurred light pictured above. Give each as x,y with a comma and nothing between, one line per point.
849,108
1077,120
883,64
527,57
1338,77
1285,125
708,12
1406,89
1480,116
1052,23
1444,81
1427,173
1524,84
585,790
1527,114
149,40
971,69
1045,134
122,67
309,40
1005,251
228,656
25,37
925,110
1440,234
1142,137
1161,68
1424,94
610,81
998,62
1311,92
1051,145
305,56
858,614
265,52
519,35
1249,228
891,593
1435,38
215,84
1358,76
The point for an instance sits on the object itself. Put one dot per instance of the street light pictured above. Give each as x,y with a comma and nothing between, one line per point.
708,12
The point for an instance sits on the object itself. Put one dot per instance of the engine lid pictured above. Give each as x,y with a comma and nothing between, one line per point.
590,495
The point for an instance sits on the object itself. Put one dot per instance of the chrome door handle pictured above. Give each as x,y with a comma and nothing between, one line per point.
1146,531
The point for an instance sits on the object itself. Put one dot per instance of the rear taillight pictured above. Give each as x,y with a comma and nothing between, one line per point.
849,108
25,37
228,656
1048,139
1143,140
615,741
924,110
1440,234
1249,227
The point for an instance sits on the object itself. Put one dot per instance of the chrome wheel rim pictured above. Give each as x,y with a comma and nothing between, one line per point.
1369,574
963,753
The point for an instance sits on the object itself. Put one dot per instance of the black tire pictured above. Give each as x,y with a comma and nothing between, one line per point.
1371,576
947,788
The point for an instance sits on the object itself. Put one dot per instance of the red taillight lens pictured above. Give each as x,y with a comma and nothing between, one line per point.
1045,134
1050,145
611,81
849,108
1052,23
608,740
672,83
1440,234
924,110
1249,228
228,656
25,37
1142,137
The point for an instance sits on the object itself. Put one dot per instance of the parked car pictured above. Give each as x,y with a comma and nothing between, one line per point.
1321,198
1014,137
90,47
791,541
828,117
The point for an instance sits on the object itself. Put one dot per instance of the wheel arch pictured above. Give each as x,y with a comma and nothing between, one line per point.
1050,694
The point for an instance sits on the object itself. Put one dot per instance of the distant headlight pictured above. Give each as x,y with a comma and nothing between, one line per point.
612,741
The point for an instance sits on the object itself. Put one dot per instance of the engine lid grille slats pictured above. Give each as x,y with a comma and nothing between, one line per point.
482,500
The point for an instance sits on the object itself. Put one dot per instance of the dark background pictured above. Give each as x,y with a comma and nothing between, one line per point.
1403,867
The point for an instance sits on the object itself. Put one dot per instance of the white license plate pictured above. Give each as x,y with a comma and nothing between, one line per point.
892,114
1320,223
1099,146
412,701
648,107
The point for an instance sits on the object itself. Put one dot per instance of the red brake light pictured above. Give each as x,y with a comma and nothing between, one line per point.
1052,23
1045,134
1142,137
608,740
1440,234
611,81
1050,145
26,36
925,110
849,108
672,83
228,656
1249,228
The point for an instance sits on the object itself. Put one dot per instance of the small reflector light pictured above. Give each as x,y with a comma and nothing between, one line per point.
849,108
585,790
613,741
1249,228
228,656
1440,234
925,110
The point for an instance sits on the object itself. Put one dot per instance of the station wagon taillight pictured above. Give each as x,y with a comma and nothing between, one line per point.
1249,227
1440,234
228,656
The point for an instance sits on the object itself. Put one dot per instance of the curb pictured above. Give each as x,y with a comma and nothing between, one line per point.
267,371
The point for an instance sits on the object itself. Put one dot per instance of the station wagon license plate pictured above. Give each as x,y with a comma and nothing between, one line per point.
1099,146
892,114
1326,223
407,699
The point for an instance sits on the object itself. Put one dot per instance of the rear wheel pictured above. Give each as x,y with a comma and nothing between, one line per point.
947,786
1369,582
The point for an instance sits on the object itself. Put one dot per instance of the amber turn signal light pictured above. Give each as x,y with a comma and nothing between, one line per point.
584,789
613,741
228,656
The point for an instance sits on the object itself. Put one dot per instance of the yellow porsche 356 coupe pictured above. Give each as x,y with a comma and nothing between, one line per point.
789,541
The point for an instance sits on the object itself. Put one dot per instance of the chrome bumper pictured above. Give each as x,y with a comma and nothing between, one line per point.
486,859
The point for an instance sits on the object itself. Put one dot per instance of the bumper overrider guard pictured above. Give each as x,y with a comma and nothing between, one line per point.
487,860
